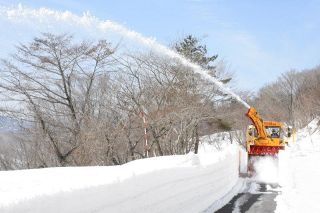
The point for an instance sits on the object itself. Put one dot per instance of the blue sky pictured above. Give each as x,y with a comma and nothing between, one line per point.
257,40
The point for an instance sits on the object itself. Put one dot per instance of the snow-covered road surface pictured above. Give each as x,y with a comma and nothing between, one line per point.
259,197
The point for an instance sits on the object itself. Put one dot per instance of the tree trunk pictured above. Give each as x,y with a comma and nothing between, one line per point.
196,145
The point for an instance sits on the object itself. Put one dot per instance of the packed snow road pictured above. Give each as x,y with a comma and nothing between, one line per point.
259,198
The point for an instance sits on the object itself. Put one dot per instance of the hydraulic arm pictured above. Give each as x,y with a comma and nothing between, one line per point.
257,122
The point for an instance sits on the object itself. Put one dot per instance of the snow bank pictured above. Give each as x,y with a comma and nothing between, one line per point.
309,137
186,183
300,173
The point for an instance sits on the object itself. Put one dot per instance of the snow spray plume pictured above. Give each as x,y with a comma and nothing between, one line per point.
88,21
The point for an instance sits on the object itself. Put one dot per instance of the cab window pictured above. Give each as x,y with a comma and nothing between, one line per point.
273,131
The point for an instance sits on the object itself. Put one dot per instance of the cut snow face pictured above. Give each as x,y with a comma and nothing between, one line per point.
183,183
309,137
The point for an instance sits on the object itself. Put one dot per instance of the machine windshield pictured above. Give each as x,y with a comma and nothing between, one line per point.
273,131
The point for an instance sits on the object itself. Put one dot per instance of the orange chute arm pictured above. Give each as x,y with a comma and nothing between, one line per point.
257,122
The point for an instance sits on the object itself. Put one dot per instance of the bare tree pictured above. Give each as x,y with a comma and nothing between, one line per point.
83,103
51,81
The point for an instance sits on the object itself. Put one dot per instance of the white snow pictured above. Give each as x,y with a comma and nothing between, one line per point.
185,183
300,173
266,169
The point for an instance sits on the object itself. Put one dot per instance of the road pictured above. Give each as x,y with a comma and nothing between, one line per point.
261,200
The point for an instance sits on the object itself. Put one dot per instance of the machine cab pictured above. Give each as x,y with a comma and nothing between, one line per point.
273,131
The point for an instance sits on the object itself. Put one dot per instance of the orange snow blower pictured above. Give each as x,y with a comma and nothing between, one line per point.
264,137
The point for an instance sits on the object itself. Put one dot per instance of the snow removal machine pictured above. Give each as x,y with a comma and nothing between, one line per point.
265,138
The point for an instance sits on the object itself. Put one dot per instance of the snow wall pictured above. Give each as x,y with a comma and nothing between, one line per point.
185,183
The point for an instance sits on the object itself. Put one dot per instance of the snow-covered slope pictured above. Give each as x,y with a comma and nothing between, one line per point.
300,173
186,183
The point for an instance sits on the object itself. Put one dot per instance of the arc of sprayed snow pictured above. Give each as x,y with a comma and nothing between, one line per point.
21,13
